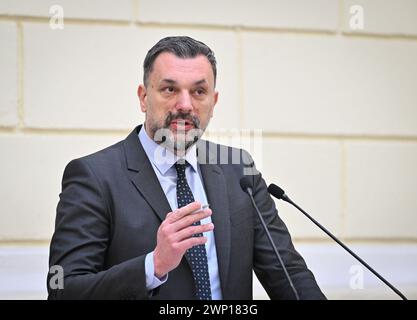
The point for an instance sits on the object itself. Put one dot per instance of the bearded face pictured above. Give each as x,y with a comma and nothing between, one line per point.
178,100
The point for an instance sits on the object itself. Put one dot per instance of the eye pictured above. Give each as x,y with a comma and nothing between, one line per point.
168,89
200,91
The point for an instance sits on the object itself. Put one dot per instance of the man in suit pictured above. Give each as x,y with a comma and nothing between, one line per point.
129,222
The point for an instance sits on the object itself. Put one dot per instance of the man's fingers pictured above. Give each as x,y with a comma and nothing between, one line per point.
189,219
192,242
182,212
190,231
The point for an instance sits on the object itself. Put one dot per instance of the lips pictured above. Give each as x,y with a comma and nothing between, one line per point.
181,124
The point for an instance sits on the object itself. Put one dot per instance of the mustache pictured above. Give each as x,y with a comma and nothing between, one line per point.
182,116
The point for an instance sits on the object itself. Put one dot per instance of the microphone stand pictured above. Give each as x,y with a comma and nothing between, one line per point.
271,241
284,197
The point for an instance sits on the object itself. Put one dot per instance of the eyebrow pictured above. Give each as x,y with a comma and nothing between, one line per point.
200,82
170,81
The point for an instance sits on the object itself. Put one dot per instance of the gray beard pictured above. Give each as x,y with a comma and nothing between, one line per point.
179,143
182,141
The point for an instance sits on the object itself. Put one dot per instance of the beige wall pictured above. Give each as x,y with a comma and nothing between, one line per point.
337,107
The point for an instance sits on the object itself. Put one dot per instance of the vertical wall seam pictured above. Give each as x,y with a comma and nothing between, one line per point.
20,75
343,190
135,11
240,76
341,16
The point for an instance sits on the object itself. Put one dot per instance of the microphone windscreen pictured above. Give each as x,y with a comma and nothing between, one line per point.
245,183
276,191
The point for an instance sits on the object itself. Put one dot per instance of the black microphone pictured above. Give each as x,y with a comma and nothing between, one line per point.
246,186
278,193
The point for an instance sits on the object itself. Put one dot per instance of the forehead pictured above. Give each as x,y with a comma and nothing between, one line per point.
169,66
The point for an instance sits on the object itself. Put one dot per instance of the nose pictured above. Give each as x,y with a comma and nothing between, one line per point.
184,102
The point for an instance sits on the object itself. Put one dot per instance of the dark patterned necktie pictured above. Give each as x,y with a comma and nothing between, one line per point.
197,255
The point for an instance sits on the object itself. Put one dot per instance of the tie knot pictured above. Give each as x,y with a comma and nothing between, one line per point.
180,166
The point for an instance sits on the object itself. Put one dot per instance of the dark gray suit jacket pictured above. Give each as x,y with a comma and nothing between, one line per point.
109,212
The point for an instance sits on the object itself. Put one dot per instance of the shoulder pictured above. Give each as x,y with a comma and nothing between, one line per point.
102,165
112,155
104,156
214,153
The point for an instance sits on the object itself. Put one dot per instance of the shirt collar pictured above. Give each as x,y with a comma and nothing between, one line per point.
162,158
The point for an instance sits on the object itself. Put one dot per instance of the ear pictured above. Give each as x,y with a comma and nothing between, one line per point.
143,97
216,97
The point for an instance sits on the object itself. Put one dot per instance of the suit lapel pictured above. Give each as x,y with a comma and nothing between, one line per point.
216,190
143,176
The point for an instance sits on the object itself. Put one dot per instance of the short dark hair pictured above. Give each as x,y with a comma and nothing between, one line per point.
182,47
